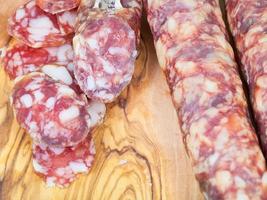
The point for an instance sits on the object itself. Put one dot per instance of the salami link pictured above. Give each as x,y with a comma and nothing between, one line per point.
198,61
66,21
248,23
57,6
35,27
21,59
52,112
60,166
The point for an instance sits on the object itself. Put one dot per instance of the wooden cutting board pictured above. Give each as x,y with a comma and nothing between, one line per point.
140,153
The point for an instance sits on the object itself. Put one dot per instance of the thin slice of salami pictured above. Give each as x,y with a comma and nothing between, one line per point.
66,21
35,27
105,50
60,166
105,54
21,59
52,112
198,61
248,24
57,6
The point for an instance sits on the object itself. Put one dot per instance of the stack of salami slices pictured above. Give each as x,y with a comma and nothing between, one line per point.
60,92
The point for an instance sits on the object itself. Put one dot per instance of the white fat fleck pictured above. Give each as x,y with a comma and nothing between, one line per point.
69,114
38,168
241,195
118,50
65,90
60,171
264,179
58,73
38,95
93,43
40,27
90,82
240,182
70,66
50,102
26,100
213,158
20,13
211,86
56,150
64,53
50,181
78,167
101,82
68,17
134,54
223,179
97,112
107,67
33,127
123,162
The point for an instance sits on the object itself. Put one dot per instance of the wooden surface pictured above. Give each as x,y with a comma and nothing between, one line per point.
140,154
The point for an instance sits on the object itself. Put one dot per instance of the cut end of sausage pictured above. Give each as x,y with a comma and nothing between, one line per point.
105,53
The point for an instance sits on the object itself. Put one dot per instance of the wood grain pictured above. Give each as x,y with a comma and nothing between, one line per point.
140,154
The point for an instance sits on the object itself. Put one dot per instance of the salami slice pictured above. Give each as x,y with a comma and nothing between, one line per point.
35,27
105,50
21,59
198,61
248,23
66,21
60,166
52,112
57,6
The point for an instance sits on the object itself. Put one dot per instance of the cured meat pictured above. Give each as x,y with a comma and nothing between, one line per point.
35,27
21,59
105,51
60,166
62,74
248,23
192,49
57,6
66,21
52,112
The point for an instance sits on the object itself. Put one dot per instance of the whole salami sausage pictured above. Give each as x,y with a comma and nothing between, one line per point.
20,59
52,112
60,166
248,24
105,49
192,49
57,6
35,27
